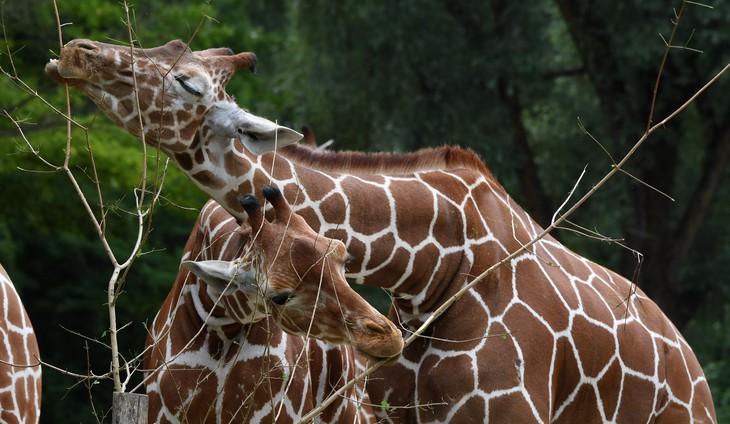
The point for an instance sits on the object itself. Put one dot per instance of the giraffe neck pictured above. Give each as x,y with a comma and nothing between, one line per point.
228,311
394,224
223,169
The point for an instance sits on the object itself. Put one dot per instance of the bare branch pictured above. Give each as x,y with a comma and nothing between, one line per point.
570,194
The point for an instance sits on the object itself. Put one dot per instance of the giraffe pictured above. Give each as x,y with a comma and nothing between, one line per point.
217,350
551,336
20,370
303,275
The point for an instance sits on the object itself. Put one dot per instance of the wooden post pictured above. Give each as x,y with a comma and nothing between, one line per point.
129,408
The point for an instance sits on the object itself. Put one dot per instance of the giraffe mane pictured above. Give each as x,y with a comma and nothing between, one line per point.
444,158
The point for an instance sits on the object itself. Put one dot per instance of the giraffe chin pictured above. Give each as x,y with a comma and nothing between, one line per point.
52,71
375,358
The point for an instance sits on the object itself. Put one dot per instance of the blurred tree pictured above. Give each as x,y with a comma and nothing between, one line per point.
502,78
623,74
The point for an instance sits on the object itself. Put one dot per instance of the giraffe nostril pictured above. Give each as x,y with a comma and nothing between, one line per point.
375,328
84,45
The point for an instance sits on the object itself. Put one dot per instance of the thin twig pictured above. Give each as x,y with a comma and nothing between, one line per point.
661,65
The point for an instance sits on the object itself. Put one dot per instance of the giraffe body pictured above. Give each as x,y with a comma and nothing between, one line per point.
20,385
551,337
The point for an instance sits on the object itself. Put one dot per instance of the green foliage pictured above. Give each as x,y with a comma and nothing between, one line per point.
385,406
374,76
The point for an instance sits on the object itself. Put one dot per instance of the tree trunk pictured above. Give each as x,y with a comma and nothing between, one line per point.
129,408
536,200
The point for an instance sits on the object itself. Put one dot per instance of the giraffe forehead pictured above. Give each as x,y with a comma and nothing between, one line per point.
158,61
307,251
280,278
301,259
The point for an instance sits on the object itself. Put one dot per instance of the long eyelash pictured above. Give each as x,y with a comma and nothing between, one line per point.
187,87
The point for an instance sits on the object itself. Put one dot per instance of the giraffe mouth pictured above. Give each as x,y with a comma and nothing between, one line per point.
61,74
52,71
74,77
378,340
374,358
61,69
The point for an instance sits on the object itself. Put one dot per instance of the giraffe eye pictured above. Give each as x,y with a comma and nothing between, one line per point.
183,81
280,299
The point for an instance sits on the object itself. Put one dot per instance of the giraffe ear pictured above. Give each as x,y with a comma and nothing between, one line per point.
224,277
262,135
258,135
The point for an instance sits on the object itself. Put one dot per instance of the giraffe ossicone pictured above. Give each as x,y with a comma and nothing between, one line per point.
549,337
298,276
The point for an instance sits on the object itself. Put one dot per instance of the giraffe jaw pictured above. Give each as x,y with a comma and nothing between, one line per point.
53,73
372,358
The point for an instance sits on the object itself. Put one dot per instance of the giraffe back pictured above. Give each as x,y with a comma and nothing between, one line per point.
551,336
208,368
20,370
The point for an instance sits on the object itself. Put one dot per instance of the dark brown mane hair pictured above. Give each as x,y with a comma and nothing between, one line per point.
442,158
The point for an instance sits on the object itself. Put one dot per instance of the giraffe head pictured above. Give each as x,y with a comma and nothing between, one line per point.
168,96
299,276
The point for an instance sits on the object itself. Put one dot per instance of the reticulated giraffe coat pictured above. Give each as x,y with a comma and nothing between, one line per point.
215,352
207,365
20,369
549,337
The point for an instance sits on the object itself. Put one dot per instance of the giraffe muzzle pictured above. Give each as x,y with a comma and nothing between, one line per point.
77,60
379,339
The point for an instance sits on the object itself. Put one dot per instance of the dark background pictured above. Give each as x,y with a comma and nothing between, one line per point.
511,80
